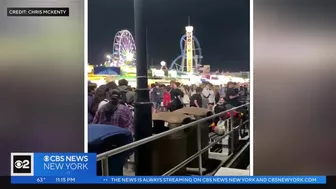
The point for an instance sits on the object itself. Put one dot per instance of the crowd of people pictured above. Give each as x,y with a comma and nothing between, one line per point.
206,95
112,104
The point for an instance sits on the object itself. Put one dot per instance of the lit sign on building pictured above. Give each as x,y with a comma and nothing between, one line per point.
189,48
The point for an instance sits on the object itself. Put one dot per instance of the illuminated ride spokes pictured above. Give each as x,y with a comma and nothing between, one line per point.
179,64
124,49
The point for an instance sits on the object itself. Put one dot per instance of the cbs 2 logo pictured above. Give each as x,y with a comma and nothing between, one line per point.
22,164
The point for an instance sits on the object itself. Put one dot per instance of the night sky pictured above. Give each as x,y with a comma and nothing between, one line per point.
221,26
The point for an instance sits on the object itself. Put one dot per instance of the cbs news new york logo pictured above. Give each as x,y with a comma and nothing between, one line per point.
22,164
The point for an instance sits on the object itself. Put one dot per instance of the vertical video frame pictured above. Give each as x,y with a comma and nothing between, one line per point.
169,79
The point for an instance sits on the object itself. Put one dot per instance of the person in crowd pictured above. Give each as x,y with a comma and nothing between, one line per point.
178,84
222,90
109,85
236,87
211,97
220,107
162,87
245,89
130,88
91,89
217,94
205,96
127,96
241,89
192,90
166,98
156,96
176,96
185,99
232,96
114,113
135,94
151,88
104,101
242,94
196,99
99,95
187,89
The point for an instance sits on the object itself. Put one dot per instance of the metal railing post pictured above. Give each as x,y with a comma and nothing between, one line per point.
199,148
232,132
248,126
105,167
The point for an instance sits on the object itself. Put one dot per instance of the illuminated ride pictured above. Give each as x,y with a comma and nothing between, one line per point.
124,49
191,54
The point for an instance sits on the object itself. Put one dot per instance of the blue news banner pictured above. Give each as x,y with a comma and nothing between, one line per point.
80,168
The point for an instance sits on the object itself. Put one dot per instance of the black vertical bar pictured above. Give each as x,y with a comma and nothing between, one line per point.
143,108
147,50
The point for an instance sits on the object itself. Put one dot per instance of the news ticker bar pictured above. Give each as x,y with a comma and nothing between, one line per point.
81,168
173,180
37,11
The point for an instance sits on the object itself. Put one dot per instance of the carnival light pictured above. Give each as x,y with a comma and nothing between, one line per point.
129,56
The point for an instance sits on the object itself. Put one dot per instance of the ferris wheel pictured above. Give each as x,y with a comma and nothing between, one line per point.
124,48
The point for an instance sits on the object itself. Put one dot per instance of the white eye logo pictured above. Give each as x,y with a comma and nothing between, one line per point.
21,164
18,164
46,158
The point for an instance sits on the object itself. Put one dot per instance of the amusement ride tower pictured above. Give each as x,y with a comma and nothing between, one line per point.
191,53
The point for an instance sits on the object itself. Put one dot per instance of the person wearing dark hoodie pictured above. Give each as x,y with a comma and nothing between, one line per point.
127,96
111,85
156,96
176,95
91,88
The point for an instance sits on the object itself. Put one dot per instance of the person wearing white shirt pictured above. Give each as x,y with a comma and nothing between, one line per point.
211,99
205,96
102,104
